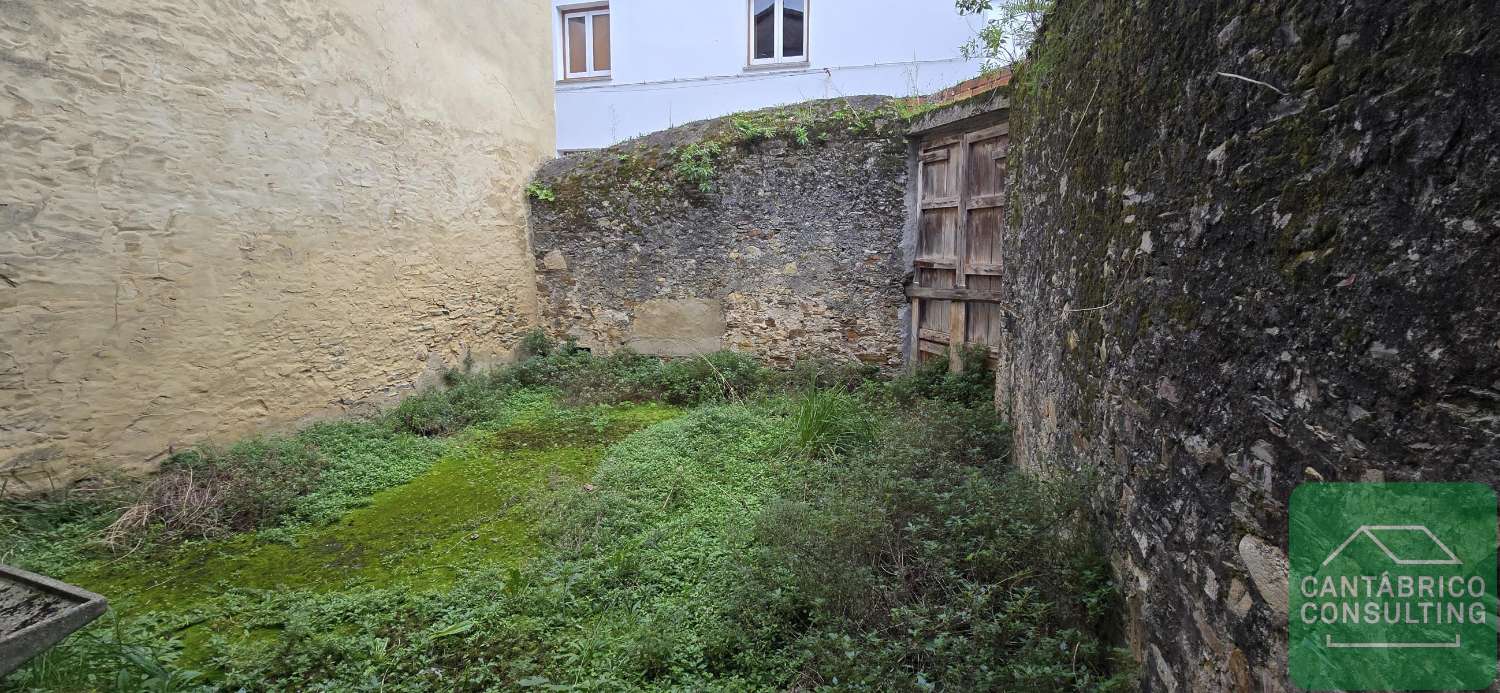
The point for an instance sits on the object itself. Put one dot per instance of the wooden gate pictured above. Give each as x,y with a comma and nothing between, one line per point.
955,287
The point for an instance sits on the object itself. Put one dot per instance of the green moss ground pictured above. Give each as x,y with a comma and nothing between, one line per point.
475,508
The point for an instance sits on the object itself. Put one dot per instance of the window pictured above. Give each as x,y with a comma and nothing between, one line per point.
586,43
778,31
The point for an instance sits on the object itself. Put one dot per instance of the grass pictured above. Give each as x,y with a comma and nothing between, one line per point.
829,423
605,523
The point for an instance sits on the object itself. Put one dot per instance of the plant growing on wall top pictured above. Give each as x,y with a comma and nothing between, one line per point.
697,164
752,130
539,191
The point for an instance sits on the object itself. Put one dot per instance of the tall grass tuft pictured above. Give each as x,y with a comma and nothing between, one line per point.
830,423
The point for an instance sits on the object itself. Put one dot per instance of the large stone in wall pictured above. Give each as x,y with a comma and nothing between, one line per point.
793,235
1253,245
677,327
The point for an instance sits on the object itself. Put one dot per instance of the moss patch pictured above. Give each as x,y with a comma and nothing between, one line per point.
476,508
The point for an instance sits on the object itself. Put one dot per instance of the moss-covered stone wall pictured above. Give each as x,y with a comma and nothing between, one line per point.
1252,245
775,233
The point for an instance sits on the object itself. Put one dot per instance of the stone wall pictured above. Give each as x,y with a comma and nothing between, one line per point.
1226,287
789,247
217,217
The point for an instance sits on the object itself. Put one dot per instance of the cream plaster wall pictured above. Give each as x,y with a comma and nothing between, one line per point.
222,216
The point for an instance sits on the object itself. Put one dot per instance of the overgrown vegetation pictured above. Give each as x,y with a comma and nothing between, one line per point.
659,172
643,169
561,524
696,164
1008,40
1010,27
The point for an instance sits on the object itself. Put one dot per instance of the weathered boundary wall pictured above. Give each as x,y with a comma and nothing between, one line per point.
1223,289
217,217
795,252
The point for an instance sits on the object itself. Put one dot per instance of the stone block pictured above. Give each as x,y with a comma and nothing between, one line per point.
677,327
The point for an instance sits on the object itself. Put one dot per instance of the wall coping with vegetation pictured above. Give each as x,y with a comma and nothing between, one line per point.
996,100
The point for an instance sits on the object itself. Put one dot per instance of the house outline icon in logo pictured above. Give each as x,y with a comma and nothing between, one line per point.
1369,531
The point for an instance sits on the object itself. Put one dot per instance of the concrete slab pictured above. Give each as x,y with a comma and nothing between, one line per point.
37,612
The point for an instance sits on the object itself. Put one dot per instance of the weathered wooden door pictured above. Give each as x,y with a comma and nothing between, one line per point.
955,288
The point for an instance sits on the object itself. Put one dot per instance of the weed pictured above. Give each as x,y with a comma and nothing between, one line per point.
972,386
111,655
926,561
537,190
211,491
49,534
697,164
813,374
829,423
534,343
360,458
467,400
800,136
718,377
752,130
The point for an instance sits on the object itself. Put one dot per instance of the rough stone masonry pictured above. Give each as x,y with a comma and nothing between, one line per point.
1254,245
790,247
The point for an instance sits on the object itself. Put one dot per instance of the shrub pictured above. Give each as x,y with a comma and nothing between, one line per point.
716,377
442,411
974,386
926,561
534,343
813,374
579,377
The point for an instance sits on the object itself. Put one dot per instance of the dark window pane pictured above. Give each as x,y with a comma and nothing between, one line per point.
601,42
792,23
764,17
577,45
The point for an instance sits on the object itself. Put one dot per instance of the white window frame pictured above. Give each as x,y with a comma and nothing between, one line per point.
779,10
588,40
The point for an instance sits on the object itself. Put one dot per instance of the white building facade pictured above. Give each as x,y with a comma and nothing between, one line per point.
629,67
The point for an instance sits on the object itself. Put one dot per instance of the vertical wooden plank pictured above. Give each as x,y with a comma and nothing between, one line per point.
935,312
914,355
961,240
1002,144
979,323
921,195
916,335
958,310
